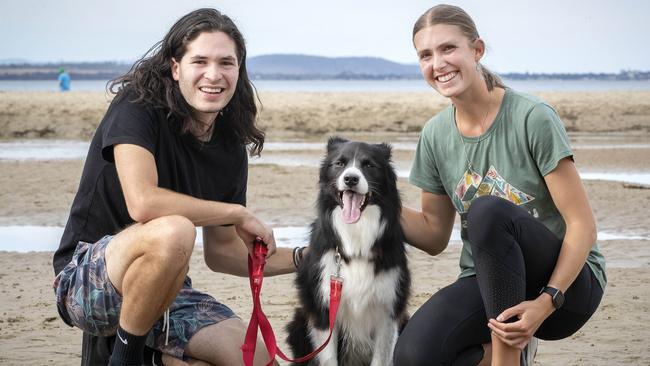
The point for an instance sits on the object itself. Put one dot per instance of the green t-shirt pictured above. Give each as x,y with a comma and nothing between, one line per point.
526,142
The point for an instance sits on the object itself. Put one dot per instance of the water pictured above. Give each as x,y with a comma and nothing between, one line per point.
625,177
71,150
404,169
51,85
43,150
46,238
277,153
640,178
355,85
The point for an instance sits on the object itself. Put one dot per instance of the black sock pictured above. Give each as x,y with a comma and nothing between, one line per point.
128,348
152,357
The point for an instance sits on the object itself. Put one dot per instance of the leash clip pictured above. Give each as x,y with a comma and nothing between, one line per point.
337,258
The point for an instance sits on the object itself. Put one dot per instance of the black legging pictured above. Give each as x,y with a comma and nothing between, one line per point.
514,256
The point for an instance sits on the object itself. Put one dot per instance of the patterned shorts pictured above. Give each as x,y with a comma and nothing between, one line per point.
87,299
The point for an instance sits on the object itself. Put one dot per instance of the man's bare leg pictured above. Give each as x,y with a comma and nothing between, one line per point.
147,264
145,258
173,361
219,344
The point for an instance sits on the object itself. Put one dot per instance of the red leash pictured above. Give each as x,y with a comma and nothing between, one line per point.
256,264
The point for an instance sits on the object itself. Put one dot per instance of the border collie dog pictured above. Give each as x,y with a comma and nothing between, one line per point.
358,216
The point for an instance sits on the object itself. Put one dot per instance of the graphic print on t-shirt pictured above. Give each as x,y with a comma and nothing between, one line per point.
472,185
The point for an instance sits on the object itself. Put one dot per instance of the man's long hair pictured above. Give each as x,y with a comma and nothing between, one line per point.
150,80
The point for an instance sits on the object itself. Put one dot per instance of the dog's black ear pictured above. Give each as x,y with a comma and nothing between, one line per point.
333,142
385,149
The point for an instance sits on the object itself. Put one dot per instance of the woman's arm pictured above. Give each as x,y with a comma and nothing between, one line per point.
430,229
570,198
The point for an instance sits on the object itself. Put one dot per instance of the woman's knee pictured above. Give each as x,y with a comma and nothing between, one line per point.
488,208
451,320
487,214
420,341
408,353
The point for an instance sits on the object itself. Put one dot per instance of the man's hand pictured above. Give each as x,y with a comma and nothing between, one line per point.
531,315
250,228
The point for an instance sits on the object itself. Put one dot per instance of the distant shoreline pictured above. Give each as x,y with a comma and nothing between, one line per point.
355,85
292,67
99,76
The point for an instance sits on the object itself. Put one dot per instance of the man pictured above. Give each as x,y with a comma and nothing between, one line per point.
169,155
64,80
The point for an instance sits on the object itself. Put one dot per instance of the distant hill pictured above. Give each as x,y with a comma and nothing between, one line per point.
284,67
317,67
259,67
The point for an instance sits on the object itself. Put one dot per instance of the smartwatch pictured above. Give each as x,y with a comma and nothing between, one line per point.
556,296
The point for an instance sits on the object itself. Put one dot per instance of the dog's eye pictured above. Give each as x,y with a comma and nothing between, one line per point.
368,164
338,164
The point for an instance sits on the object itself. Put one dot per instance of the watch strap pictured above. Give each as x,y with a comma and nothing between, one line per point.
557,296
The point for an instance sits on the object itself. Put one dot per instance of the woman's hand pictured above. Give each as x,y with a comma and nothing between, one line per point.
530,315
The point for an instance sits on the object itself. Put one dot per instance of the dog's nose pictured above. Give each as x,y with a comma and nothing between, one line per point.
351,180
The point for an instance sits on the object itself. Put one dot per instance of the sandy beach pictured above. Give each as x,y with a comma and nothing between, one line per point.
39,192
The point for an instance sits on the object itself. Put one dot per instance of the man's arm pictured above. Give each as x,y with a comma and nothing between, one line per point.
224,252
136,169
430,229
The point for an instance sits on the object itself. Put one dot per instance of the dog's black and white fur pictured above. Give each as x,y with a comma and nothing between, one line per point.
358,212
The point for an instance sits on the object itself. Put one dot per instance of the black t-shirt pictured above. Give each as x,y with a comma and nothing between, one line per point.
212,170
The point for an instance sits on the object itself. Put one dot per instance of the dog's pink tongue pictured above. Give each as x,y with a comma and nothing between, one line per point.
351,207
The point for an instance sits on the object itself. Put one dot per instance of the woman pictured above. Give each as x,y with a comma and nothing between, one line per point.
530,265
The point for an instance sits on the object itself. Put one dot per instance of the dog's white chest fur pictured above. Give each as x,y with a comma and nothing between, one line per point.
367,298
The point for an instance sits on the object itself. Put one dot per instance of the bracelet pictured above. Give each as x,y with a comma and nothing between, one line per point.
297,256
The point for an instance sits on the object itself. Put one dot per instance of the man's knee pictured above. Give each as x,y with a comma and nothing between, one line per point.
165,243
171,238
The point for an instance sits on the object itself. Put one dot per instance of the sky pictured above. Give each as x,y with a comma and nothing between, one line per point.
551,36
